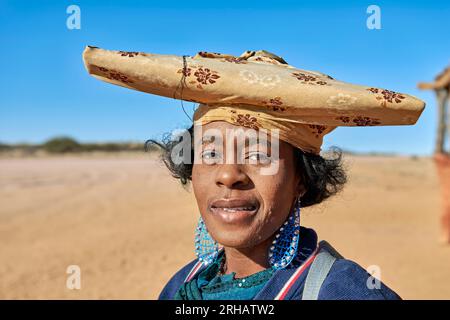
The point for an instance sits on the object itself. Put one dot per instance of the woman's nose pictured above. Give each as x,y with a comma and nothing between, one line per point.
231,176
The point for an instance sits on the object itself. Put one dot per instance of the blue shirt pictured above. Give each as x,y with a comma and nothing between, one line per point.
345,281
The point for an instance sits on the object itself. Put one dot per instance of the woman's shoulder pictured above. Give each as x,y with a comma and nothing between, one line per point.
177,280
347,280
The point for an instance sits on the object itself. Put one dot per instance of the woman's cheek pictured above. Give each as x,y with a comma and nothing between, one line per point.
268,200
276,199
199,185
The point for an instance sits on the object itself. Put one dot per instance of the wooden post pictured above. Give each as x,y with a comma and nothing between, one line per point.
442,160
441,87
442,98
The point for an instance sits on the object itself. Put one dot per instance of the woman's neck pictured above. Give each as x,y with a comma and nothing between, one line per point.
247,261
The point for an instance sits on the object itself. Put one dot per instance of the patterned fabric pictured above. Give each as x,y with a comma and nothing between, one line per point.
255,286
209,286
346,280
257,90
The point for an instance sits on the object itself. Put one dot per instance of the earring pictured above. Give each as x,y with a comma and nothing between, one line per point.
284,246
206,248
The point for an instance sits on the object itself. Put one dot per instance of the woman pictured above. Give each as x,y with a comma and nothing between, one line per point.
255,141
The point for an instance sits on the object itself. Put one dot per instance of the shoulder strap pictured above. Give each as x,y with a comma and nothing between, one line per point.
319,270
194,270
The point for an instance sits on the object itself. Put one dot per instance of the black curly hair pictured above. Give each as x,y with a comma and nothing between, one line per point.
322,176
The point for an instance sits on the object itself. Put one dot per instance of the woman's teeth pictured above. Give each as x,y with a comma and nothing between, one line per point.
238,209
234,211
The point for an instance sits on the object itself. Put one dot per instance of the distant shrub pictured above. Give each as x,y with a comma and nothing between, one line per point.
65,144
112,147
62,145
4,147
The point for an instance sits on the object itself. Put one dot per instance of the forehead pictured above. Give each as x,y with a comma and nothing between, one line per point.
207,134
220,125
221,129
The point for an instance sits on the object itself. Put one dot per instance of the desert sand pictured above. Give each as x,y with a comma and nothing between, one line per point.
129,225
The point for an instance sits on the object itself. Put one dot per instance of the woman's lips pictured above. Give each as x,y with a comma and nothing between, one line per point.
234,210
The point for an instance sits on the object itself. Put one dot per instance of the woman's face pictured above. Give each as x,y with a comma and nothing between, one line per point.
240,206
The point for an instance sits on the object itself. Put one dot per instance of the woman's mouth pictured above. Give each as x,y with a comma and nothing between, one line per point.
234,210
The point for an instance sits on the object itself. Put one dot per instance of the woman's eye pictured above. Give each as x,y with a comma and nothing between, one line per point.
210,155
259,157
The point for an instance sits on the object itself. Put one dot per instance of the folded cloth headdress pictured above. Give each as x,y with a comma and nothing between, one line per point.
257,90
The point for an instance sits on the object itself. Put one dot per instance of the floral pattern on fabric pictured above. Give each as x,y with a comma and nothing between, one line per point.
317,129
235,60
130,54
366,121
206,54
253,78
119,77
360,121
254,87
341,100
268,81
246,120
308,79
186,72
344,119
115,75
275,104
203,76
387,96
266,60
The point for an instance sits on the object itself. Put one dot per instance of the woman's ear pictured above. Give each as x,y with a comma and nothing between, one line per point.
300,187
301,190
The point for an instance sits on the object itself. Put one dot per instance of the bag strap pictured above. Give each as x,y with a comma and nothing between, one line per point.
319,270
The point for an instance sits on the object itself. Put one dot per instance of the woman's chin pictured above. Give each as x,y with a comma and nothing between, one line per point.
237,240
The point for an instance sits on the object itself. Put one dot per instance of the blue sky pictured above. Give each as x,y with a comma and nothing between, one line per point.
45,90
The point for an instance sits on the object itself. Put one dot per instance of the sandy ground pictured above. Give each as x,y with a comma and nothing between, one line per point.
129,226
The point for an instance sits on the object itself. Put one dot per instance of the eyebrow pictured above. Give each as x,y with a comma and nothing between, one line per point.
250,142
258,141
208,139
